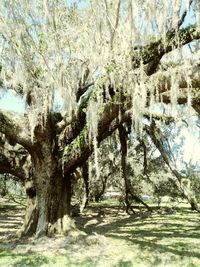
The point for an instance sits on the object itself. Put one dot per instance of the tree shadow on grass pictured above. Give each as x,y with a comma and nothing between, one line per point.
11,221
178,231
35,261
152,246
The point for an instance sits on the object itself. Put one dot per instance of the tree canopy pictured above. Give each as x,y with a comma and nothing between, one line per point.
108,61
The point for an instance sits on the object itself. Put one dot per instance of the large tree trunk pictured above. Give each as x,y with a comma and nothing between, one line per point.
53,198
49,212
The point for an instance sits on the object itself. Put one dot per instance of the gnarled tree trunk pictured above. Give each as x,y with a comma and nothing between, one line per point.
48,201
53,196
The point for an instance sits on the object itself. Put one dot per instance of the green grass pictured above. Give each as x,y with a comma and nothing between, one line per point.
33,260
105,203
143,240
21,259
157,240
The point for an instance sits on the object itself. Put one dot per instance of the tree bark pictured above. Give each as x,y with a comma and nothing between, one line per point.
48,200
53,197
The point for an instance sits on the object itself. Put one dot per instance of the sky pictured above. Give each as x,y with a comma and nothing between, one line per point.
189,141
11,102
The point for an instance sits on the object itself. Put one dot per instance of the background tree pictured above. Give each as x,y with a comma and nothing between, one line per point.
162,145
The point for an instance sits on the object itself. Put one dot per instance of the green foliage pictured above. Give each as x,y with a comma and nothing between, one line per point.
167,188
77,143
193,181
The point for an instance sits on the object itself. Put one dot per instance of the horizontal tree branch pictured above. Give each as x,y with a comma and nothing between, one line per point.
185,77
79,150
173,39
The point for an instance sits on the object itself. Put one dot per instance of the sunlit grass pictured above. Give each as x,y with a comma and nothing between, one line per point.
32,260
161,240
146,239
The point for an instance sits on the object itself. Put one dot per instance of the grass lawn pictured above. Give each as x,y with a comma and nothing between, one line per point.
156,239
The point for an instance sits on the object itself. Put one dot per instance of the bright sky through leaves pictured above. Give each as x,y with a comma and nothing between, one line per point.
9,101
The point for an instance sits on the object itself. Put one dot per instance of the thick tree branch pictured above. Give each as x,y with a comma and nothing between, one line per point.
14,160
187,80
151,54
72,130
80,148
172,40
76,153
186,77
15,128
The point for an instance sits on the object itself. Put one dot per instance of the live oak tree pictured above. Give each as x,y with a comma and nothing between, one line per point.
103,59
